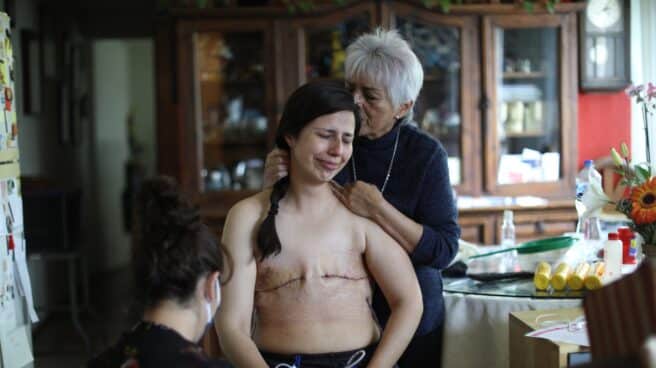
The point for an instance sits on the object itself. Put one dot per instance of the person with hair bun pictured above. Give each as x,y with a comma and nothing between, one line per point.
301,290
398,177
178,266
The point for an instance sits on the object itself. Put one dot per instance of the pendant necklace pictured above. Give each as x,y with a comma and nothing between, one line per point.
389,169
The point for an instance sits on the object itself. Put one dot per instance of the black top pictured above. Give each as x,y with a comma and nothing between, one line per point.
151,345
419,187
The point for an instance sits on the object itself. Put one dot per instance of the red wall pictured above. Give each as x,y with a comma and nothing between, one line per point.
604,122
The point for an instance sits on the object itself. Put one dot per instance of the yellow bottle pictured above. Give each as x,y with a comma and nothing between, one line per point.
542,276
560,276
593,279
575,281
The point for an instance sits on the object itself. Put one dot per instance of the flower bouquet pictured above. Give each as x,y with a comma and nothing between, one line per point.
639,200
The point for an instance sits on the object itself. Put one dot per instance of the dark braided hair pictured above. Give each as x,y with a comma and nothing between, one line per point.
308,102
172,248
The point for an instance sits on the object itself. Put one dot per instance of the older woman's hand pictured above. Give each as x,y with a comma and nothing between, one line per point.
276,167
361,198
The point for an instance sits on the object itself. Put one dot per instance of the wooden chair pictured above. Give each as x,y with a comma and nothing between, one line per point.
622,315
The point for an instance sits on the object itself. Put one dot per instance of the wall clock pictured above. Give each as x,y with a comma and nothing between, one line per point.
604,45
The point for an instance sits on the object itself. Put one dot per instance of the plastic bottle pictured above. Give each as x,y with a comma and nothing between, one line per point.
542,276
613,257
560,276
593,280
575,281
588,226
507,230
626,236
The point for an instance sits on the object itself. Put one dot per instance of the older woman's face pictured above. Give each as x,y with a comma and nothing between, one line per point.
377,112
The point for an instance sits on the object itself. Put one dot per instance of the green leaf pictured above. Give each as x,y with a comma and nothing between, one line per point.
445,5
642,173
305,6
528,6
429,3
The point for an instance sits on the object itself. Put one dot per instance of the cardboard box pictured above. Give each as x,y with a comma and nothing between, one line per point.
528,352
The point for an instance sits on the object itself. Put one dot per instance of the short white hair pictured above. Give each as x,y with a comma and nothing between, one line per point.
385,58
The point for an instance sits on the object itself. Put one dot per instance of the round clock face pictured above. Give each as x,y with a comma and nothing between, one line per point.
604,13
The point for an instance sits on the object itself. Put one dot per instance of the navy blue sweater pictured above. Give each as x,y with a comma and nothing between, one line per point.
419,187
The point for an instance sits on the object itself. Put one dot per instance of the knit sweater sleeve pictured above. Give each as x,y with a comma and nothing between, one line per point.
436,212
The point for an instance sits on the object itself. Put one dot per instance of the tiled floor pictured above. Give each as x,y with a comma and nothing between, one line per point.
56,342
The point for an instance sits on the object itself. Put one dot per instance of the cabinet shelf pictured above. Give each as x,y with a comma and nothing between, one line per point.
237,142
530,134
523,75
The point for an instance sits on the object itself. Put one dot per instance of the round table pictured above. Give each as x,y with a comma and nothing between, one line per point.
476,321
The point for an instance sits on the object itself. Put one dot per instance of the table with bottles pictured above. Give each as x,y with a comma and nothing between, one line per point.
477,312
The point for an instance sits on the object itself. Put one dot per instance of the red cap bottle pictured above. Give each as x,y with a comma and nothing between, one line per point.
626,236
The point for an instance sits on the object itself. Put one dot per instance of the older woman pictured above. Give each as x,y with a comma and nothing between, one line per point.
397,177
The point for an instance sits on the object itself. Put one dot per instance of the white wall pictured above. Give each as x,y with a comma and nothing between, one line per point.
643,66
123,79
142,91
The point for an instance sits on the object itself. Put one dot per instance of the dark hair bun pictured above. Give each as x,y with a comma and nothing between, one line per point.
165,214
172,248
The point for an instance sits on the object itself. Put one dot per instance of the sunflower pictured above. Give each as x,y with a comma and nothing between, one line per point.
643,203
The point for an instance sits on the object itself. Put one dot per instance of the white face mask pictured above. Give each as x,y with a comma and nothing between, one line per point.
208,306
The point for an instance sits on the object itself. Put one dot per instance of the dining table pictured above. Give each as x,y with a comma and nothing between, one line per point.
477,309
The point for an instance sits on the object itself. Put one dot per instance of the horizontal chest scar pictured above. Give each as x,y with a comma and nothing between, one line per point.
273,286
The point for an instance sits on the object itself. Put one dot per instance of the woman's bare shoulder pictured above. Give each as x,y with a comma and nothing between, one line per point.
361,225
250,209
241,223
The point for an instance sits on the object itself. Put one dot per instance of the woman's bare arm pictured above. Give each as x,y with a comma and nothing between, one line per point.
233,320
393,272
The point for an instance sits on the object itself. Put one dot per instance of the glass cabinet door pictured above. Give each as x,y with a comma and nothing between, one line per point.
528,124
322,41
445,47
230,108
326,46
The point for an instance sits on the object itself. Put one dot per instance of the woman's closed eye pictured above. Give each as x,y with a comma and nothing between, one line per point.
370,97
347,139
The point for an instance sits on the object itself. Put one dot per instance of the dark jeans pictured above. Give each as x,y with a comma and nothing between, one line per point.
325,360
424,351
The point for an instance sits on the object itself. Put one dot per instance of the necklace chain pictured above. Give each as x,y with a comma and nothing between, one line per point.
389,169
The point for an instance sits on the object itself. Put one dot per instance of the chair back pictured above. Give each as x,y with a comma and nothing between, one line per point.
621,315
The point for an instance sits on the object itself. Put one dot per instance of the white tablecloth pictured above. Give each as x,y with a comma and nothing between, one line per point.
476,327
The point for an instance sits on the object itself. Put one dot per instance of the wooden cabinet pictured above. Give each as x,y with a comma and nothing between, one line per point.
530,80
499,93
482,225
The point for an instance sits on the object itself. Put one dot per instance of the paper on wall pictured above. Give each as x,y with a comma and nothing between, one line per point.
15,346
22,277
